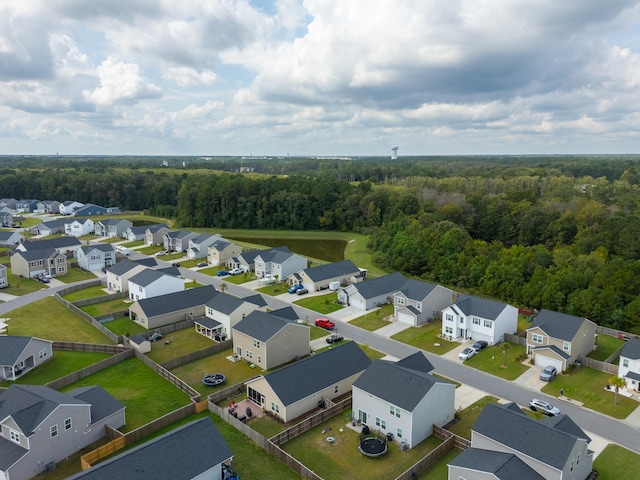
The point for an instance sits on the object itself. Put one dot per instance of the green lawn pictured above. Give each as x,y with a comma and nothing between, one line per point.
21,286
146,395
373,320
124,326
75,274
274,289
468,416
266,425
110,306
235,279
426,338
523,323
614,458
61,364
491,360
323,304
587,386
177,344
150,250
440,470
137,243
89,292
48,319
607,345
341,459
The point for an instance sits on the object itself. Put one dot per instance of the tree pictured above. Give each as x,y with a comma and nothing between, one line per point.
617,383
223,287
505,348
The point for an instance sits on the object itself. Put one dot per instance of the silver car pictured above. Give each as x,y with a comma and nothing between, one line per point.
548,373
544,407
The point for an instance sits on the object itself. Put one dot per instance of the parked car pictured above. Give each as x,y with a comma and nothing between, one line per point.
222,273
544,407
202,264
295,288
480,345
334,338
236,271
302,291
175,264
161,253
325,323
466,354
41,277
548,373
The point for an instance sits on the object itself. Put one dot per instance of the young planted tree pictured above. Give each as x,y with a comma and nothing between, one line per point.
617,383
505,348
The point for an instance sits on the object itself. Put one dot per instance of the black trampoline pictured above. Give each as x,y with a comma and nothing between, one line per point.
373,447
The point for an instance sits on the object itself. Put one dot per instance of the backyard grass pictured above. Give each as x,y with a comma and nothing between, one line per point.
177,344
323,304
21,286
468,416
62,363
75,274
587,386
146,395
89,292
341,459
110,306
48,319
616,462
607,345
440,470
124,326
426,337
267,426
491,360
373,320
523,323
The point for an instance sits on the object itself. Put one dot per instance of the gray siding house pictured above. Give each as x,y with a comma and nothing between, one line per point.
96,257
371,293
112,227
4,280
419,302
19,355
318,278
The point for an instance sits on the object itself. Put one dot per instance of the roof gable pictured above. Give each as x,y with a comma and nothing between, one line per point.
11,347
417,290
631,349
558,325
331,270
480,307
262,325
387,284
174,302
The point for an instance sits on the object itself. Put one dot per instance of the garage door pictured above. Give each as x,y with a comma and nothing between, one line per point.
405,318
542,361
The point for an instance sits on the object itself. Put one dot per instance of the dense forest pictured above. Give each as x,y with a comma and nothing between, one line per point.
541,232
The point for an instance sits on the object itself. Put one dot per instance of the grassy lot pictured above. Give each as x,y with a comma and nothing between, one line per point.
21,286
48,319
323,304
440,470
274,289
124,326
173,256
235,279
614,457
341,459
491,360
110,306
317,332
180,343
267,426
146,395
150,250
137,243
61,364
75,274
523,323
89,292
587,386
607,345
426,337
373,320
468,416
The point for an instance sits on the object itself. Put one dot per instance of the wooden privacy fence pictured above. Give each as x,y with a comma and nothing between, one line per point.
99,453
103,298
112,336
167,375
91,369
197,355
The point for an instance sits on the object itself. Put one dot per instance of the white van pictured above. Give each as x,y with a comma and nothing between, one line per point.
122,250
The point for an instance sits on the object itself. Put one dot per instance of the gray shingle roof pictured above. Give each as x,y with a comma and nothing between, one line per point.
147,277
631,349
103,247
534,439
256,299
183,453
179,234
418,361
207,322
10,453
387,284
262,326
505,466
62,242
11,347
225,303
554,349
155,227
147,262
306,377
220,244
102,403
275,255
331,270
123,267
417,290
37,254
174,302
558,325
481,307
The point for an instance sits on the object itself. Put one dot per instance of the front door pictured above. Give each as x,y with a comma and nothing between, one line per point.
362,416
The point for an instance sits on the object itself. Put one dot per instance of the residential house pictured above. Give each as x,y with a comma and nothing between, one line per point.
64,245
554,447
118,275
51,206
419,302
6,217
320,277
154,234
560,339
372,293
303,386
96,257
68,207
193,451
177,241
629,364
479,319
111,227
113,210
135,234
403,400
11,203
175,307
152,283
28,205
4,280
34,262
10,239
20,355
221,251
244,260
278,263
41,426
50,227
222,313
199,246
268,340
90,210
79,227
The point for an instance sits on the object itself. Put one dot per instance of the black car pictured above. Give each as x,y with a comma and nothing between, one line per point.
334,338
480,345
175,264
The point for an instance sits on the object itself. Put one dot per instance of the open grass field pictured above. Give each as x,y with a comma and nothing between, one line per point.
616,462
62,363
607,345
426,337
177,344
110,306
491,360
89,292
341,459
323,304
468,416
588,386
48,319
373,320
146,395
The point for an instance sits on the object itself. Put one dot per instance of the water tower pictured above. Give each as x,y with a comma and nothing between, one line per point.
394,152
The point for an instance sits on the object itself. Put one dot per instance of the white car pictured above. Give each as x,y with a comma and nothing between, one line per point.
466,354
160,253
544,407
236,271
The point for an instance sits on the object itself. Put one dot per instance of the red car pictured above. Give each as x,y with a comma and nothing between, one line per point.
325,323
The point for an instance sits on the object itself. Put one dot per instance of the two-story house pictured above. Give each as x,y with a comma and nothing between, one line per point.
79,227
220,251
199,246
560,339
178,240
111,227
134,234
6,217
118,275
96,257
4,279
154,234
419,302
34,262
629,365
223,312
278,263
318,278
153,283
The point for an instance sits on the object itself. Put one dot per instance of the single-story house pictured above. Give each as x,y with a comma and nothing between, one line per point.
19,355
10,239
50,227
153,283
320,277
243,260
4,280
111,227
178,241
419,302
301,387
154,234
222,313
372,293
220,251
33,262
278,263
79,227
96,257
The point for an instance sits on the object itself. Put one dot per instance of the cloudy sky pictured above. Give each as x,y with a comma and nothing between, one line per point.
319,77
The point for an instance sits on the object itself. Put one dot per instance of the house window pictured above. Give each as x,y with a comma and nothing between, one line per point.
60,269
399,433
67,424
249,354
239,351
43,353
449,317
275,407
32,264
381,423
61,260
475,321
394,411
461,320
256,343
488,323
15,436
566,346
400,301
448,330
335,389
536,337
259,359
625,362
139,288
572,465
578,459
419,306
53,431
40,262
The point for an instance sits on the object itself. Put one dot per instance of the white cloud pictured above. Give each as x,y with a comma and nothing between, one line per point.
188,77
